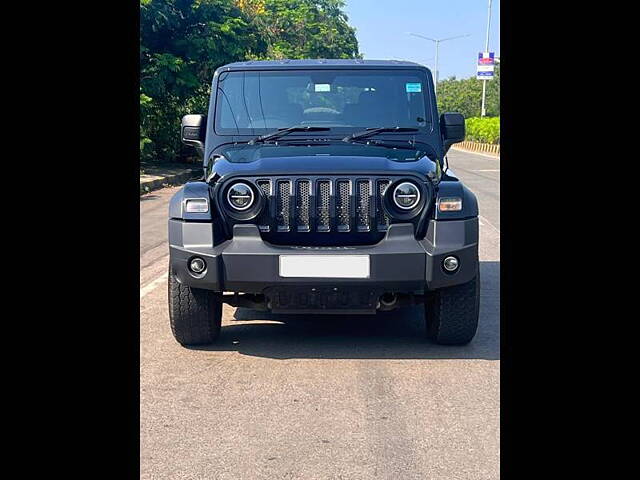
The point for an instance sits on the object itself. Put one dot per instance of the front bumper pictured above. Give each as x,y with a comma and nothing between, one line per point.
399,263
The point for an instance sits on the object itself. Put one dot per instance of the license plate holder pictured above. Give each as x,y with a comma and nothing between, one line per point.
324,266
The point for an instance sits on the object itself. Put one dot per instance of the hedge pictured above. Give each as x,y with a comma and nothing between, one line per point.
483,130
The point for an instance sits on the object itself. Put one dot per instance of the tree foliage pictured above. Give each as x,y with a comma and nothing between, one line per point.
307,29
182,42
465,96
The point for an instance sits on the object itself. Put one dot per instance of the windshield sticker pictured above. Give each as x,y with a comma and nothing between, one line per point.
413,87
323,87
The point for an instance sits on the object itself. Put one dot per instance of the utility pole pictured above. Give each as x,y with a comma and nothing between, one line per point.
486,49
437,42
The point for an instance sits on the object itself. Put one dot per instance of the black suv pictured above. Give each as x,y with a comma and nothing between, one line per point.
325,190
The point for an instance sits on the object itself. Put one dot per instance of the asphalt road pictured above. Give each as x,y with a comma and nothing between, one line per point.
302,397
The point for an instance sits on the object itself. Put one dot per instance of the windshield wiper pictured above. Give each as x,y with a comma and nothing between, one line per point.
402,144
281,132
373,131
406,145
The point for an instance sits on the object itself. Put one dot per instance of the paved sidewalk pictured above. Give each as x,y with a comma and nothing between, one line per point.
158,176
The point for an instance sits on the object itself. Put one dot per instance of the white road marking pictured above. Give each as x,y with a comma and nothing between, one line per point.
490,170
488,223
153,285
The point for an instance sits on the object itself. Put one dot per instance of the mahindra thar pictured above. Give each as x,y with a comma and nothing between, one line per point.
325,189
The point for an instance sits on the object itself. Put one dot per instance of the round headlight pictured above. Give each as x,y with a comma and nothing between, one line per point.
240,196
406,195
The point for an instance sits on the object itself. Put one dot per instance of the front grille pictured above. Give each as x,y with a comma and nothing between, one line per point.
342,210
324,205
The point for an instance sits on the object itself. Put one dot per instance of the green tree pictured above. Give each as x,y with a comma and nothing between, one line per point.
465,96
182,42
307,29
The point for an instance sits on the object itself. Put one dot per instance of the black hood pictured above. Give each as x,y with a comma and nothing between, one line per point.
322,165
319,161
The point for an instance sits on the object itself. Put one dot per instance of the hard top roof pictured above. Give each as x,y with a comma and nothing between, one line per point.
317,63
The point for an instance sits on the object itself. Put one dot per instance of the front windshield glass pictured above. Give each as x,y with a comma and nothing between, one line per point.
257,102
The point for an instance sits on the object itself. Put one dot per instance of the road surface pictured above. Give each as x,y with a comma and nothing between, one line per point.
300,397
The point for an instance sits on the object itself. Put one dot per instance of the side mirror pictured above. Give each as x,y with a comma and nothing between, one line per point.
452,129
193,131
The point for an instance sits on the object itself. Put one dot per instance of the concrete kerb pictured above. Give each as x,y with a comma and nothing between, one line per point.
486,148
149,183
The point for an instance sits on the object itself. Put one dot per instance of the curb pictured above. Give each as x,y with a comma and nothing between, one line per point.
154,182
486,148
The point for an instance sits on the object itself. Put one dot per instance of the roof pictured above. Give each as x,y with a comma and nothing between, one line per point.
318,63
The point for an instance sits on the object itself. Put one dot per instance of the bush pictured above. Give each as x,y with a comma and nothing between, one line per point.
483,130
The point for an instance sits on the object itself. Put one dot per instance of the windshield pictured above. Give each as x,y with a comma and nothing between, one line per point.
254,103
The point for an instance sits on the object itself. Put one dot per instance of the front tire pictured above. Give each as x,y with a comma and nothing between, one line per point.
451,313
195,314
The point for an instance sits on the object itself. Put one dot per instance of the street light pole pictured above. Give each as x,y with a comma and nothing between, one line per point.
486,49
435,86
437,42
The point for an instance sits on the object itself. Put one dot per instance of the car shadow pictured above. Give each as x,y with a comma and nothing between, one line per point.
387,335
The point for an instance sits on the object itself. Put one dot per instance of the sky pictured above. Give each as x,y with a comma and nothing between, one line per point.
382,26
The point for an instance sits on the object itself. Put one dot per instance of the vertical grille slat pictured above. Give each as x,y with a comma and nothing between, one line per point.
381,218
302,205
324,201
265,186
265,224
283,215
343,198
363,209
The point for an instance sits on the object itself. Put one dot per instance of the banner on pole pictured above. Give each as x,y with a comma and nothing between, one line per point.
486,64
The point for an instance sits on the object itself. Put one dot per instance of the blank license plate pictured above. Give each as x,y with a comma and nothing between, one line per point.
324,266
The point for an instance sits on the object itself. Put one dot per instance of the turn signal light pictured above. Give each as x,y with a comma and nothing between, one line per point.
197,205
450,204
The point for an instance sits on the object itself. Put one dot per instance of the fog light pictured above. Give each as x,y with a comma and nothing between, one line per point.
197,265
450,264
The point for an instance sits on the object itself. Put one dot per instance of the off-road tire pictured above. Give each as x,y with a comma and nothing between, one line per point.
195,314
451,313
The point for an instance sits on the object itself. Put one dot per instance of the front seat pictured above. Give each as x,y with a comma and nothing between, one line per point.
276,105
368,111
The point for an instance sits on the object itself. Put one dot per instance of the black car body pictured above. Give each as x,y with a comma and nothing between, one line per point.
332,217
